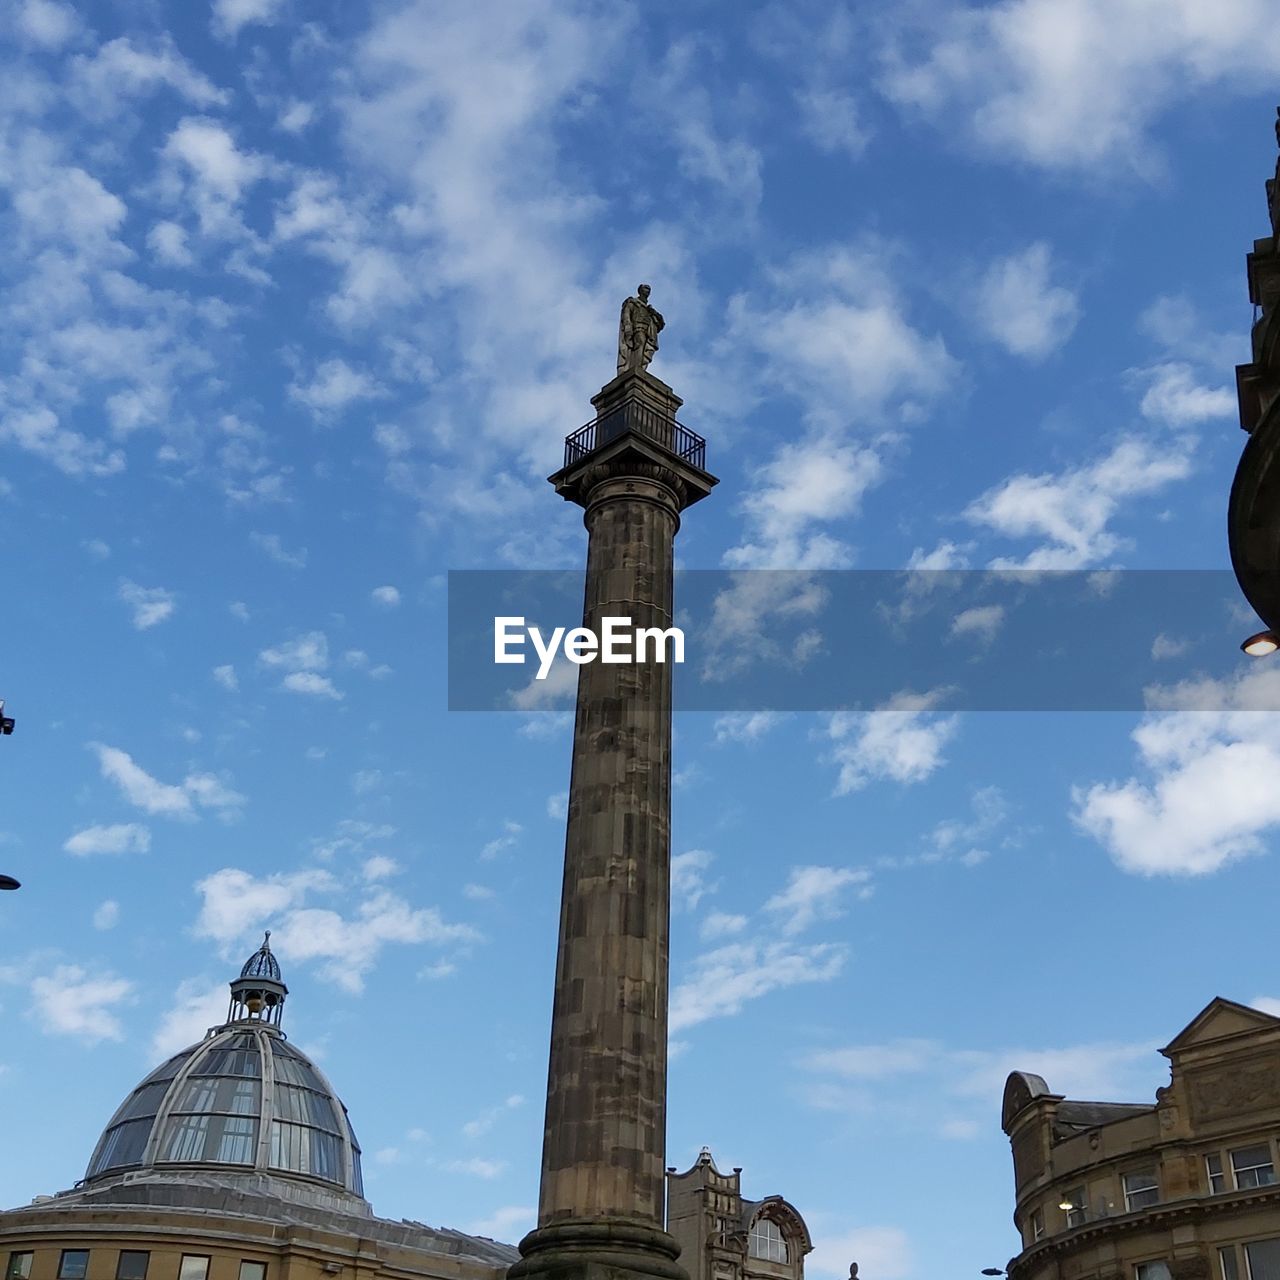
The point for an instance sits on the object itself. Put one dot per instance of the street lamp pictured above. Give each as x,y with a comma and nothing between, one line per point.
1261,645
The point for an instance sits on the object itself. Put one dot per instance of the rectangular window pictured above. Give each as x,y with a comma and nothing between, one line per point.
1140,1189
1217,1179
132,1264
1152,1270
195,1266
1227,1263
19,1267
253,1270
1037,1226
73,1264
1078,1211
1252,1167
1263,1259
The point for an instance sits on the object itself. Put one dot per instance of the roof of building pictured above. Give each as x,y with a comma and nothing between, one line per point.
242,1099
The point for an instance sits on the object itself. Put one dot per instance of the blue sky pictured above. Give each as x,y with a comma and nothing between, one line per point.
298,304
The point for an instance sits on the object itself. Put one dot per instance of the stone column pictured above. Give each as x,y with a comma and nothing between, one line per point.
603,1159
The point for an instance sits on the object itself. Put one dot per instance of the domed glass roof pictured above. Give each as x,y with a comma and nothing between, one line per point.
244,1098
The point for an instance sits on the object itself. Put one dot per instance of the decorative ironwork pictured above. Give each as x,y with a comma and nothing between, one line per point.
631,415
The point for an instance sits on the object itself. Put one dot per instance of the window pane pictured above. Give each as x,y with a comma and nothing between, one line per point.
1152,1271
1252,1167
766,1241
74,1263
1227,1262
1213,1165
253,1270
132,1264
19,1267
1140,1189
186,1139
124,1144
1263,1257
194,1267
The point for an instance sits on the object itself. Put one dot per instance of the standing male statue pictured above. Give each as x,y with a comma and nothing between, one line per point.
638,329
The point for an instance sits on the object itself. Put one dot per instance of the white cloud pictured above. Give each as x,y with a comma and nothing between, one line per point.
1071,510
120,837
107,914
500,844
1019,306
168,243
745,726
488,1118
1164,646
275,549
721,924
47,23
982,622
721,981
229,16
812,893
220,171
197,1006
73,1002
151,605
688,883
808,483
334,387
197,790
1205,799
901,741
379,867
312,684
302,659
558,806
122,69
226,677
1075,84
388,597
1175,397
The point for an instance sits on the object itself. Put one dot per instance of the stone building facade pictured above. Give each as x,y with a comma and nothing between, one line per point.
723,1236
1182,1189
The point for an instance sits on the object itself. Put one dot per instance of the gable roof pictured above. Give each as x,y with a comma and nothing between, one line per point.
1220,1019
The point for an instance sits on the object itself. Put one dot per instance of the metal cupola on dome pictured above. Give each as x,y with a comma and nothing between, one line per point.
258,994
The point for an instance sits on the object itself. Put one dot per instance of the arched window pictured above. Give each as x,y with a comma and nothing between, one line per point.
767,1241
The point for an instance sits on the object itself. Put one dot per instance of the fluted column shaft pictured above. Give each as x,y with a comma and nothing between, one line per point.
604,1147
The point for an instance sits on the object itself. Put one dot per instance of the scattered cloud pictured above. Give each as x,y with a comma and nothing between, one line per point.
120,837
230,16
902,741
107,914
388,597
812,894
151,605
1076,84
1203,800
1175,397
746,726
197,1005
500,844
271,544
139,788
688,883
226,677
720,982
71,1001
1020,307
1071,510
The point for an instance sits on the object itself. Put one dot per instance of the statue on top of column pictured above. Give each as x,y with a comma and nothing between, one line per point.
638,329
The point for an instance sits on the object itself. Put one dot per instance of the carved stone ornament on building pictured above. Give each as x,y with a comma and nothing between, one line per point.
1225,1093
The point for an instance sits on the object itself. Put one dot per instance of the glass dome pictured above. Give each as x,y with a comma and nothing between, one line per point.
242,1099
